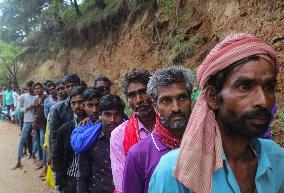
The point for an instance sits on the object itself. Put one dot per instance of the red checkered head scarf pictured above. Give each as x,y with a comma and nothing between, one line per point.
201,147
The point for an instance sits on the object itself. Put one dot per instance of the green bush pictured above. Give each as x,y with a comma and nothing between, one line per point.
169,5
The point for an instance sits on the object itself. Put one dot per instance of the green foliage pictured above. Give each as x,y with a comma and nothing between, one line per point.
180,46
127,110
169,6
45,25
137,5
280,115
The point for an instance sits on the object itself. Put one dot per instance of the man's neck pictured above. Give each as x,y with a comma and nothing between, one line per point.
148,120
40,95
54,97
236,147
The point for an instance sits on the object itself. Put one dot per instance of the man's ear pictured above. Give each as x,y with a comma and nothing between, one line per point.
211,97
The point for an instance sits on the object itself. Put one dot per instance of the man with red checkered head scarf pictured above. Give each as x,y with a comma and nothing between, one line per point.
220,150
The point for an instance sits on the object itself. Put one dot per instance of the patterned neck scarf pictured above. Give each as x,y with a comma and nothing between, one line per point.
165,136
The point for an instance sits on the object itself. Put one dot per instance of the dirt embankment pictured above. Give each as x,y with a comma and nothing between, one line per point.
150,38
147,37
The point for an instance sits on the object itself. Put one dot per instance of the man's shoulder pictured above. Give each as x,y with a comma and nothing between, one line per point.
141,147
66,126
119,130
58,105
166,165
271,147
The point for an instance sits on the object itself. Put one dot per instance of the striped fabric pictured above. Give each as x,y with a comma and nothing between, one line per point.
72,170
201,146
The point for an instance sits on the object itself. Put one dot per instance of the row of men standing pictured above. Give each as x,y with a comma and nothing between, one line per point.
95,148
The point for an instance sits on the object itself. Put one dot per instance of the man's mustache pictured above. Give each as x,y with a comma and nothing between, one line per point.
259,112
177,114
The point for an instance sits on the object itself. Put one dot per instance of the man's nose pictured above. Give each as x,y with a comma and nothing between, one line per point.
260,98
175,106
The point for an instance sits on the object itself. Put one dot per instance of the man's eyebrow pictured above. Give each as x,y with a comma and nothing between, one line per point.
242,79
139,90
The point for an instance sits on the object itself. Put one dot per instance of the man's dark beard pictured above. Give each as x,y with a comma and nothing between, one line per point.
240,124
177,129
148,109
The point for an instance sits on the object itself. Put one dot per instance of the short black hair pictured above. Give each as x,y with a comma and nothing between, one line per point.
218,80
38,84
71,78
59,82
135,75
77,90
90,93
83,83
49,84
110,101
30,83
46,82
102,78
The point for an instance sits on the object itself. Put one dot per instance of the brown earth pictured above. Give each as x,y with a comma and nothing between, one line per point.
277,130
23,180
145,38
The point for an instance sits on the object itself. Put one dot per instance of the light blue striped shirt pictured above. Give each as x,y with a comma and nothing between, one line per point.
269,175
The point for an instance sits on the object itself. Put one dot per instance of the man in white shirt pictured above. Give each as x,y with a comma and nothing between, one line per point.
26,104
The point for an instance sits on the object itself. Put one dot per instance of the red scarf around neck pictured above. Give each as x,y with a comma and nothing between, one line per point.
131,136
165,136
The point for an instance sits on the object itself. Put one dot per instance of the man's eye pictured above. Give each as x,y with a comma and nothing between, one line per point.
270,86
182,98
130,95
244,87
166,101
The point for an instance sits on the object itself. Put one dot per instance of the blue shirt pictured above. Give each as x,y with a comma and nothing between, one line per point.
84,136
269,175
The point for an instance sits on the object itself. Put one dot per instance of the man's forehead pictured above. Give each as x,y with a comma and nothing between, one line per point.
77,98
102,83
136,86
93,101
260,70
172,90
112,111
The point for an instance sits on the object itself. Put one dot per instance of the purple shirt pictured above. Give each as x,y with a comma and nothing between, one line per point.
141,162
117,155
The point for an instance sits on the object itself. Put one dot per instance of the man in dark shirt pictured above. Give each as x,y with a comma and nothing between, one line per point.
62,113
39,123
65,161
95,174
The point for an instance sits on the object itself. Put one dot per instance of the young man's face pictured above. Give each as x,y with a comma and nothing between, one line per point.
138,99
111,119
38,90
103,86
92,109
60,91
77,105
174,107
52,90
246,99
68,87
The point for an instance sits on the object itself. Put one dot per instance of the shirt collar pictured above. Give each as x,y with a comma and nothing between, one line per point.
142,127
264,163
157,143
